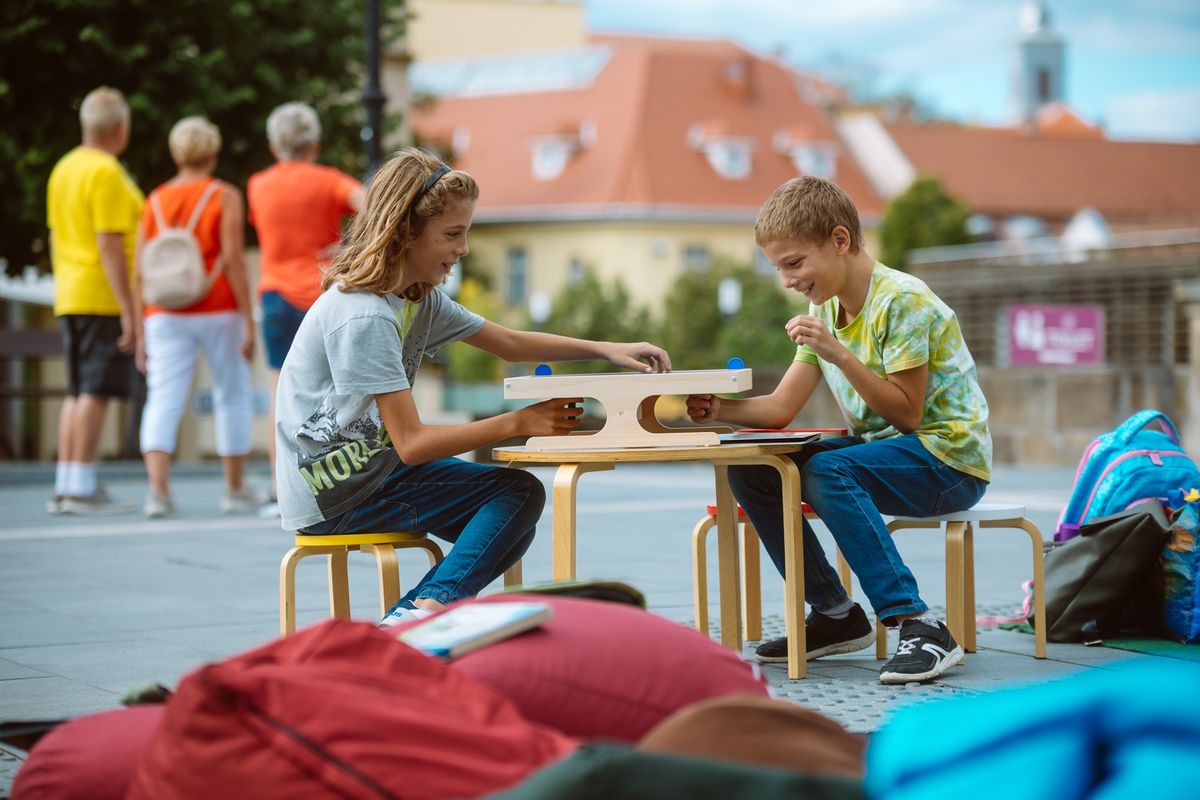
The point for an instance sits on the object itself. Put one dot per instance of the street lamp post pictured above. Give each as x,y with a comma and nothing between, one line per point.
373,96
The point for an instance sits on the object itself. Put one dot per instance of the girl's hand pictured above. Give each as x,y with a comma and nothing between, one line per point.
640,356
556,417
703,408
804,329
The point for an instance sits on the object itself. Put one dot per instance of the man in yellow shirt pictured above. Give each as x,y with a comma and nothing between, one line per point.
92,210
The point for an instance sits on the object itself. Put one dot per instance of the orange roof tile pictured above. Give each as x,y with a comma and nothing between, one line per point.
996,172
643,104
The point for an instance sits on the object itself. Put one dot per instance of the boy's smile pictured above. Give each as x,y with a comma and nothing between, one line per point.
814,271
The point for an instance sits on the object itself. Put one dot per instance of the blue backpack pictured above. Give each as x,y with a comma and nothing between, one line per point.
1122,468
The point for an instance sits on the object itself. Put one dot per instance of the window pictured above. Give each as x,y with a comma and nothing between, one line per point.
516,270
729,157
1043,86
820,161
575,270
550,156
696,258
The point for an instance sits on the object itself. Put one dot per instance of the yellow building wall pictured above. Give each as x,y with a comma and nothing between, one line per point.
469,28
647,256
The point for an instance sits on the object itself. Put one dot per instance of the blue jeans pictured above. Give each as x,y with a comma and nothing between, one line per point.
280,321
489,513
850,484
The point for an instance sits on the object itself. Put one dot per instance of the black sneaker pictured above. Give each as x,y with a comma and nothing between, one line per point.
925,651
825,636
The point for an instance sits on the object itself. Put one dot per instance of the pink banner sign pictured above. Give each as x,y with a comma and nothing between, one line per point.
1055,335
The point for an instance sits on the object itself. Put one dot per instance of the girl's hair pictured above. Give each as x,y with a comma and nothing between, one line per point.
193,141
397,209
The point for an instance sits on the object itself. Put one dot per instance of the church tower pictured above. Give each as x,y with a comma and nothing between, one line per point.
1040,77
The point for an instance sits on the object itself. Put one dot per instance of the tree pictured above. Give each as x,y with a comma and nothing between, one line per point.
924,215
469,364
697,336
232,61
588,309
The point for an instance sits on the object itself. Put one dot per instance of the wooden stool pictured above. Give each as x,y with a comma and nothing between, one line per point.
751,588
960,569
337,546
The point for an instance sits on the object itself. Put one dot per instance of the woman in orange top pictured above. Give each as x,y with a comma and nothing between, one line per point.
297,207
220,323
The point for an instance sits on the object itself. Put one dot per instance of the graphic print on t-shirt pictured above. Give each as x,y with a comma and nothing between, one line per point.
341,459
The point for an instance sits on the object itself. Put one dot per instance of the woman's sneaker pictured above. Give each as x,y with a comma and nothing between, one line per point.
824,636
925,651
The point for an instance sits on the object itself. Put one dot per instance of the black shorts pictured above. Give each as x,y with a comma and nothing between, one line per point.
94,364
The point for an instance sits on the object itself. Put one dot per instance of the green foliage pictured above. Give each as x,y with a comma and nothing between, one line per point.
465,363
231,60
696,335
924,215
588,309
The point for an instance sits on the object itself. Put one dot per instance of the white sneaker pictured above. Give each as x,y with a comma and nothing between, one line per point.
244,502
158,505
54,504
96,503
269,510
400,616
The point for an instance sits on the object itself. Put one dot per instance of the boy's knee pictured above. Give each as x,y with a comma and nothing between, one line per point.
820,469
535,491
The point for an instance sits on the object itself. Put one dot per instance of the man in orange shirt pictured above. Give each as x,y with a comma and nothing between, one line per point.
296,207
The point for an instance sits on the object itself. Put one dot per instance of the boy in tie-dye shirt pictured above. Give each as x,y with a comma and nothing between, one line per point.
894,357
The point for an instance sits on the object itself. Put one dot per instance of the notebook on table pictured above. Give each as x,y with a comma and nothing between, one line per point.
771,435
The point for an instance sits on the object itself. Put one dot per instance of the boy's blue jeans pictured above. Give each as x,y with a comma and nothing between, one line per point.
850,484
489,513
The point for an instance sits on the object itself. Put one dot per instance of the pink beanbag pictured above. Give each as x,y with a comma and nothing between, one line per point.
605,670
88,758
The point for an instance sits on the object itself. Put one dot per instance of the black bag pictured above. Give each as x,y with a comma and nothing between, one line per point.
1101,583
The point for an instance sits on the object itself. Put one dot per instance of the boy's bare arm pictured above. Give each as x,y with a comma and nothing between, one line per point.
417,443
899,398
517,346
775,410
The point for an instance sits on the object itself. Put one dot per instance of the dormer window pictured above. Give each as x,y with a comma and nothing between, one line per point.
809,156
550,155
729,157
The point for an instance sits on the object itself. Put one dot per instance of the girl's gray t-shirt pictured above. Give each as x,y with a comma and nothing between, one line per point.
331,445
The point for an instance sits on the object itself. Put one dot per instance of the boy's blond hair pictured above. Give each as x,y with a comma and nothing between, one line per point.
382,232
193,141
807,209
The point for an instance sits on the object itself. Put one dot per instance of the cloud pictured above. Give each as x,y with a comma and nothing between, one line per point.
1131,34
1172,115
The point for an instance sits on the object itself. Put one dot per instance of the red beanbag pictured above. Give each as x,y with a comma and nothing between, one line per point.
88,758
340,709
601,669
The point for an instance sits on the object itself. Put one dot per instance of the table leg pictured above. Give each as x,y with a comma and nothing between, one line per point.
793,560
566,480
728,561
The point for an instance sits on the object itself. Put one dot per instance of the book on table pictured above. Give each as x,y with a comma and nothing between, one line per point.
772,435
460,630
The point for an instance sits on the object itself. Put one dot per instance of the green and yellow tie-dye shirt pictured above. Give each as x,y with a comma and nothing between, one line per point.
904,325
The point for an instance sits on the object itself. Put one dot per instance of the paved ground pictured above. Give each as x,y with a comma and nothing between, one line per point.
90,608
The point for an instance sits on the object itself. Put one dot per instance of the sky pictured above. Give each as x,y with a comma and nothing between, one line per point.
1132,66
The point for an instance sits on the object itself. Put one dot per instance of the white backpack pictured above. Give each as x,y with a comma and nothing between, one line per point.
172,267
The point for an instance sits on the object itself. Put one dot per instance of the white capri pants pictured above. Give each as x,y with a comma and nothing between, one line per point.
172,343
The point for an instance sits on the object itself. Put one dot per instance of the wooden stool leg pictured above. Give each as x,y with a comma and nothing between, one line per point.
389,575
432,550
339,586
968,556
700,573
955,532
751,582
1039,587
512,576
287,590
844,573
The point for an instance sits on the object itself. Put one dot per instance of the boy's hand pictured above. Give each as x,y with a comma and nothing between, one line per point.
556,417
703,408
640,356
804,329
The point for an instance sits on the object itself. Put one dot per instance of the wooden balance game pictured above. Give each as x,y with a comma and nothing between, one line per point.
628,399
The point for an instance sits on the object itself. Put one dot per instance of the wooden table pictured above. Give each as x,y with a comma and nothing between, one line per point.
575,463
